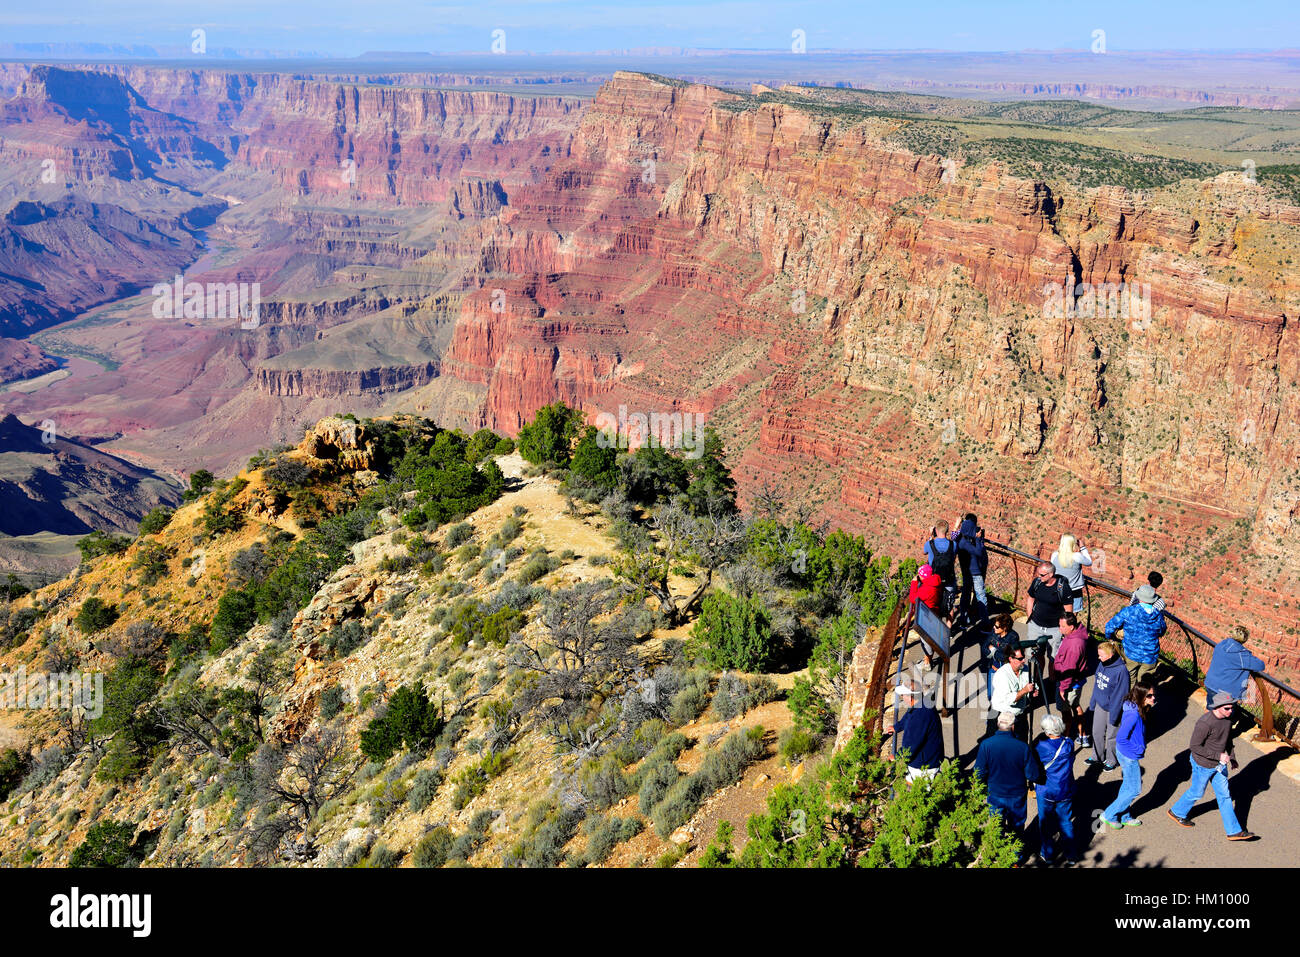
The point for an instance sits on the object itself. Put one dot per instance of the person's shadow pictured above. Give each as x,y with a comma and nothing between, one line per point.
1253,778
1168,781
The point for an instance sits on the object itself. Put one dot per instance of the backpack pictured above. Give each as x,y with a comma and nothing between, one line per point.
944,564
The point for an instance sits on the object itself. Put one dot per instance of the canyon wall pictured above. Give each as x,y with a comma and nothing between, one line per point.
872,330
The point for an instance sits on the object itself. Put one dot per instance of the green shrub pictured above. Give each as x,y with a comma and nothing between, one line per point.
331,702
690,700
236,613
345,638
603,782
94,615
151,559
537,566
410,720
434,848
107,844
200,482
606,833
382,856
735,695
13,765
796,744
424,788
656,781
98,543
459,534
156,520
733,633
549,437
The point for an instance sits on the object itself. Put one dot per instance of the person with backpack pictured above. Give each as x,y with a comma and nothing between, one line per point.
1069,560
1055,794
1131,746
973,607
941,554
1049,597
1070,669
1110,687
1143,625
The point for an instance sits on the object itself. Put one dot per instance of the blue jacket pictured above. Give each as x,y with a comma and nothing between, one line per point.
1057,758
1230,668
1007,765
1132,738
974,556
1142,633
1110,687
920,734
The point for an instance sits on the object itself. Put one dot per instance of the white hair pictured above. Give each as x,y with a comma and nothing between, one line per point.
1053,725
1006,720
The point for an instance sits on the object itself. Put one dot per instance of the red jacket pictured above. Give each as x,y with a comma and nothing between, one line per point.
927,591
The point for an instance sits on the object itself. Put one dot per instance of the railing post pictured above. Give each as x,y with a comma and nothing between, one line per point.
1191,643
1265,711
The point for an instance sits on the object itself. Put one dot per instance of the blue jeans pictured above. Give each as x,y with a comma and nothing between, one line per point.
1129,789
1218,777
1014,809
1054,813
973,584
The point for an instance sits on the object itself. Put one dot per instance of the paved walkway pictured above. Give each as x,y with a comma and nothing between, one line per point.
1265,788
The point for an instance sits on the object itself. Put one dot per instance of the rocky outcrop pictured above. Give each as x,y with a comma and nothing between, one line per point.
23,360
328,383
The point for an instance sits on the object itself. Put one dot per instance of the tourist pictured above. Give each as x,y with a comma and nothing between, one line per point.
1012,690
1049,597
1231,666
998,646
1055,796
1211,758
1007,765
1110,687
1142,624
918,734
1155,580
1070,669
925,588
1131,746
974,604
941,554
1069,560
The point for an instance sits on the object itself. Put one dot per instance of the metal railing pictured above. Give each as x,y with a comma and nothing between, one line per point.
1006,582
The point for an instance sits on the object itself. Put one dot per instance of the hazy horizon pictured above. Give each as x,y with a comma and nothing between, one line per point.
337,29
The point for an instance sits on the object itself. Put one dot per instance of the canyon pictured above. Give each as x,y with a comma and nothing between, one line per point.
850,287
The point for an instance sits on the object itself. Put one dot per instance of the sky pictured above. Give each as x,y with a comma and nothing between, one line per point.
351,27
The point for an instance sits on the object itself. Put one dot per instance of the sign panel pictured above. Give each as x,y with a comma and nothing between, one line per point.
933,628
